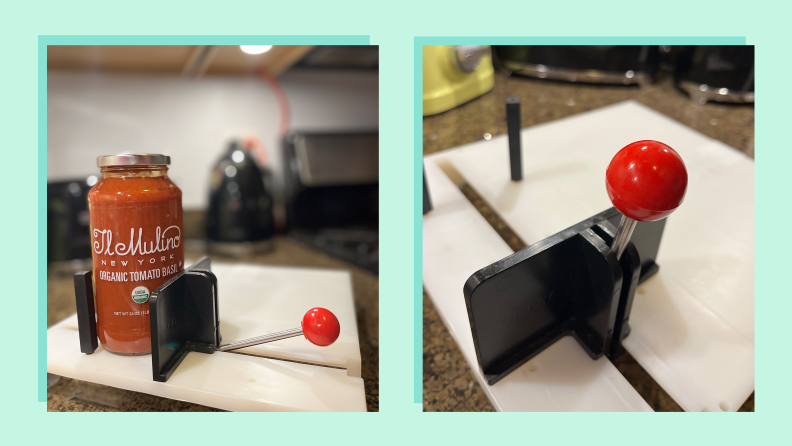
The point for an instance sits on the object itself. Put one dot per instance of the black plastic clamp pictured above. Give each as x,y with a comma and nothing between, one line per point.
567,284
183,315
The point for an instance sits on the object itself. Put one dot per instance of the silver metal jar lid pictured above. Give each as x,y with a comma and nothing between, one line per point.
133,159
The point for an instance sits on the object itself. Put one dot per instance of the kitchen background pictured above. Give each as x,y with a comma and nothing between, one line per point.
291,108
103,100
710,89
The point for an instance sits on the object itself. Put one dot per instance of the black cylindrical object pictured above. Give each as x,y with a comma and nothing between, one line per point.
515,143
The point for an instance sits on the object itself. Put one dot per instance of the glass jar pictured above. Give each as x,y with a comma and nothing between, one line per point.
136,234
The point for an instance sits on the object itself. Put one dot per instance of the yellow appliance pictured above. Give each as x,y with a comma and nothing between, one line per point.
454,74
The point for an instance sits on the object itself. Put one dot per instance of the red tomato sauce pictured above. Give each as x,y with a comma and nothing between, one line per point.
136,235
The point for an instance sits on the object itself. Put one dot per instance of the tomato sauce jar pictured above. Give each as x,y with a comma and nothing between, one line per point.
136,235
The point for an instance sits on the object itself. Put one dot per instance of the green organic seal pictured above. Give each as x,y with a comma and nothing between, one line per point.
140,294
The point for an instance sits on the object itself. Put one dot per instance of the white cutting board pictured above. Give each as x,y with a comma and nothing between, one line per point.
692,323
256,300
235,381
457,241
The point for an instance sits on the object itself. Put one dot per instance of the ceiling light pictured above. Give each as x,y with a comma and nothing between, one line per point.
255,49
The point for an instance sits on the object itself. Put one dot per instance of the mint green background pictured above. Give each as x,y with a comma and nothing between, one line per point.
393,26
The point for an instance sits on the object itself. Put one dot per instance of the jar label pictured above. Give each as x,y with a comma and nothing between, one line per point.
140,294
136,235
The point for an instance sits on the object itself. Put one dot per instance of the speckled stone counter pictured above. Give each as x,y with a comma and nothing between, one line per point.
449,383
72,395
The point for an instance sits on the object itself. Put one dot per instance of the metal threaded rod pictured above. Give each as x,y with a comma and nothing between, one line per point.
261,339
626,226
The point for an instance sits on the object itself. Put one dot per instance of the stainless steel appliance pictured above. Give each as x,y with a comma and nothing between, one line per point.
598,64
332,193
716,73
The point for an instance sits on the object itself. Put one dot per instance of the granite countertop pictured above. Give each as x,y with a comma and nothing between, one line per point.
69,395
448,382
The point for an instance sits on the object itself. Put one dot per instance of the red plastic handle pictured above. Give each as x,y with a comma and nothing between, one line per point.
320,326
646,180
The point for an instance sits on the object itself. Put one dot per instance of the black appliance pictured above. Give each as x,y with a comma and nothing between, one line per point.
716,73
598,64
68,220
239,220
331,189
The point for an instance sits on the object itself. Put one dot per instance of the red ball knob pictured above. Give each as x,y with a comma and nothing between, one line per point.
320,326
646,180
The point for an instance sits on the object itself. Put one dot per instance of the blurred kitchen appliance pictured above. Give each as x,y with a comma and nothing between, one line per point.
596,64
341,57
454,74
716,73
331,189
68,221
239,220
